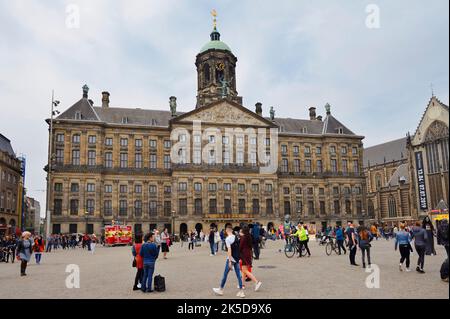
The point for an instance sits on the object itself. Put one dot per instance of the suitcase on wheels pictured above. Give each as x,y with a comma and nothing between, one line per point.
160,283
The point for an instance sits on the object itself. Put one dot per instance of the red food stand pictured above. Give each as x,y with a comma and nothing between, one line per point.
118,235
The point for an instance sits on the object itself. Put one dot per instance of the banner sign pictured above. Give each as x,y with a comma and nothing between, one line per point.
420,170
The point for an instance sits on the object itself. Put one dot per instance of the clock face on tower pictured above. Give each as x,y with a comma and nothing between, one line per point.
220,66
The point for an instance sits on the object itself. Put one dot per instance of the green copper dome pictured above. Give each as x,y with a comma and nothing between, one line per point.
215,43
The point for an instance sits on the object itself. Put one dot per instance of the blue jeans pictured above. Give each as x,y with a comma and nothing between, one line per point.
38,257
147,277
227,270
212,245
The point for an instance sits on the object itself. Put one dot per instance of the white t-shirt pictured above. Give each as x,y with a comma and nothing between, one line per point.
229,240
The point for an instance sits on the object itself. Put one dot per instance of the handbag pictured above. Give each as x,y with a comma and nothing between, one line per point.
159,283
134,263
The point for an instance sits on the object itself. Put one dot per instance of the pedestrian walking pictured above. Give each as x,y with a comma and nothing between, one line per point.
246,255
93,243
428,226
211,242
364,244
403,242
256,240
24,252
138,262
340,239
420,235
352,244
232,262
149,253
38,249
191,240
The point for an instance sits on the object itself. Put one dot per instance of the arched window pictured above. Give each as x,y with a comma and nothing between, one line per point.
378,181
206,74
392,206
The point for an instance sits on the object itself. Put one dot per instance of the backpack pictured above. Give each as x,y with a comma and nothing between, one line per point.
444,269
159,283
443,230
235,249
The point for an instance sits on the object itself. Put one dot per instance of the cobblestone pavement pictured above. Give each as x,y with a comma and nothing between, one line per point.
192,274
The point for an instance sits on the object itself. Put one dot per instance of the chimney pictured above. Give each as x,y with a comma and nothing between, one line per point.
105,99
258,109
312,113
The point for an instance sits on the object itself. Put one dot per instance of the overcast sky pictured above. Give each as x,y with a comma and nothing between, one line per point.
291,55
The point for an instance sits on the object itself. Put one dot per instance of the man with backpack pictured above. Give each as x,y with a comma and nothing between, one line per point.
232,262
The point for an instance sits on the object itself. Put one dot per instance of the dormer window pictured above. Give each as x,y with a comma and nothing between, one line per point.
154,122
77,115
340,130
124,120
304,130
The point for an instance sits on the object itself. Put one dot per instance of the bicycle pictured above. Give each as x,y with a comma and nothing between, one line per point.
331,246
292,247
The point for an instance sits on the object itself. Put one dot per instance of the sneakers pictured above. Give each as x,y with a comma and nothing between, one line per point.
218,291
240,294
243,287
258,285
407,269
210,255
400,267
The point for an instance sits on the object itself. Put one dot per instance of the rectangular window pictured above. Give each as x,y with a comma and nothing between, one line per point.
137,208
107,207
123,208
74,207
299,206
153,161
92,139
241,204
74,187
358,207
108,160
308,168
138,189
138,160
58,187
123,142
333,166
332,150
123,189
355,167
322,207
108,189
269,206
152,143
241,188
269,188
109,141
138,143
255,206
182,204
310,190
123,160
59,156
284,165
198,187
198,209
255,188
167,144
73,228
213,206
90,188
90,206
76,157
167,208
153,208
311,208
297,166
60,138
344,150
182,187
287,207
212,187
354,150
337,207
227,187
167,189
318,150
307,150
284,149
167,162
240,158
335,190
296,150
227,206
298,190
344,166
91,158
152,189
76,139
321,191
319,167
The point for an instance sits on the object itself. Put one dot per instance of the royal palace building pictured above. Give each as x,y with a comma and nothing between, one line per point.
221,162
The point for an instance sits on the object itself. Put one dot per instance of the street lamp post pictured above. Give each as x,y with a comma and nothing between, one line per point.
173,221
86,215
54,112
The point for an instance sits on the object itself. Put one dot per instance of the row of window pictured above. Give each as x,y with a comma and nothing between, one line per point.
10,178
307,150
8,201
308,167
212,187
92,140
212,207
